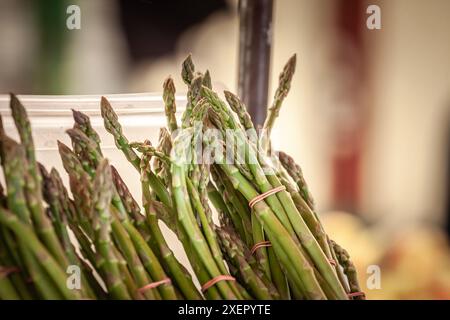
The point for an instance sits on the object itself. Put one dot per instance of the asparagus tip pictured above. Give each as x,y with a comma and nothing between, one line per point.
104,103
13,98
288,70
187,70
169,86
79,116
62,147
16,106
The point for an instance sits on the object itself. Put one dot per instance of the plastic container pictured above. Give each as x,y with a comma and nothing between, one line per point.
141,116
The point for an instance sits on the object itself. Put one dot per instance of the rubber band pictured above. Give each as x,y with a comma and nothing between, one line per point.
154,285
332,262
259,245
6,271
214,280
264,195
356,294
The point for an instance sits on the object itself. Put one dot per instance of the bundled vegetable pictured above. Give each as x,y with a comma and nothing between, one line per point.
269,244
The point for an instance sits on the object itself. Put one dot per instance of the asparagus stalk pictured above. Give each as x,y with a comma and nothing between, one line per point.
131,257
33,185
14,165
102,195
240,109
296,173
284,85
349,269
169,102
9,260
187,70
160,167
278,235
186,217
7,291
80,185
245,272
57,208
113,126
130,204
178,273
46,260
83,123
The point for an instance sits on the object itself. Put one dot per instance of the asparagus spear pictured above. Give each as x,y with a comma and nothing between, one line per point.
86,150
14,165
169,102
284,85
7,291
194,82
113,126
349,269
83,123
305,204
187,70
101,199
131,257
33,185
296,173
9,260
245,272
7,288
176,270
130,204
240,109
80,185
186,216
161,168
39,251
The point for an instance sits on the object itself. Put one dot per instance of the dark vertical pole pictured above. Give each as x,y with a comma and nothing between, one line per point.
255,37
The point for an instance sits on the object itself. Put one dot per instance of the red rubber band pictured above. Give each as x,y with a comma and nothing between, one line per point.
259,245
214,280
356,294
332,262
154,285
6,271
264,195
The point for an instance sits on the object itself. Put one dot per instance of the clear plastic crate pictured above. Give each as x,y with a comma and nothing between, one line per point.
141,116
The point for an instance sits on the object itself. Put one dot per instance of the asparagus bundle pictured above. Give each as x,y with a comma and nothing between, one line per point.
269,243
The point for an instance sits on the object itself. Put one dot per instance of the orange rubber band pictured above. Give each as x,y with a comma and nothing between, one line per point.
154,285
6,271
214,280
356,294
261,244
264,195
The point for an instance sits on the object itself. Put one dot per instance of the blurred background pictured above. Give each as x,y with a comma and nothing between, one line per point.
367,118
